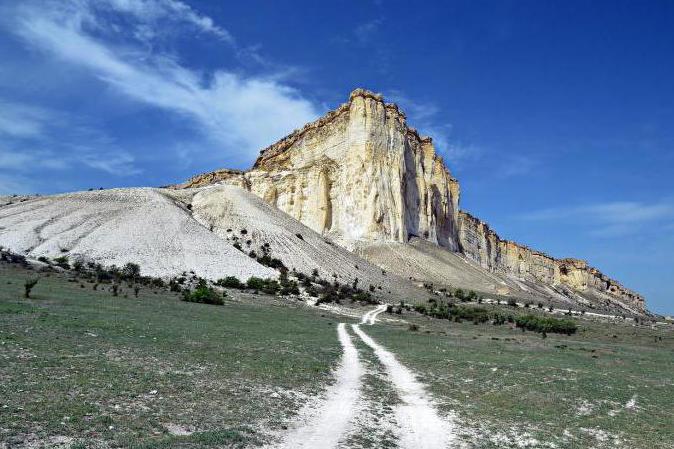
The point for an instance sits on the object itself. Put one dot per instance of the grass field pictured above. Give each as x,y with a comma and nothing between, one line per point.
90,367
607,386
81,368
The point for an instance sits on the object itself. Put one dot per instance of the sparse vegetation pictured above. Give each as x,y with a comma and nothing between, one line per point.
268,286
204,294
28,286
230,282
546,324
62,261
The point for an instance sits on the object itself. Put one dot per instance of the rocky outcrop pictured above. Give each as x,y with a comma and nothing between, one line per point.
361,174
482,245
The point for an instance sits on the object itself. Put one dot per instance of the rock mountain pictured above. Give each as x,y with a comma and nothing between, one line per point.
361,176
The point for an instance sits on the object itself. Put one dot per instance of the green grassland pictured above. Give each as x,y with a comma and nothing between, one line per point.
89,369
508,386
83,364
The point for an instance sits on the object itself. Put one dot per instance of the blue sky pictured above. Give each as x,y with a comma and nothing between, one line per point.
557,117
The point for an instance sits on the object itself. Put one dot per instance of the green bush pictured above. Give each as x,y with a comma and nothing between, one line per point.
255,283
421,308
131,271
62,261
268,286
203,294
474,314
28,286
289,288
546,324
230,282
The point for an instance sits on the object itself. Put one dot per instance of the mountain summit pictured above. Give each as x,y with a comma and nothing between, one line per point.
363,177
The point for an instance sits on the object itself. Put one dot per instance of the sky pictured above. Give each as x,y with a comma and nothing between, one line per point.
556,117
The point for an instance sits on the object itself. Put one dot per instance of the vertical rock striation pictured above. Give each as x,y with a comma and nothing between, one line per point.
361,174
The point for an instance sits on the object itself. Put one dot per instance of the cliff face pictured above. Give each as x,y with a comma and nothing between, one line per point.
482,245
361,174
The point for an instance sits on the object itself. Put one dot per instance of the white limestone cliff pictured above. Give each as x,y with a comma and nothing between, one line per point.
360,174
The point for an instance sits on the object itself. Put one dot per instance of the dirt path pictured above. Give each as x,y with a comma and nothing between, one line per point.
371,316
421,426
329,423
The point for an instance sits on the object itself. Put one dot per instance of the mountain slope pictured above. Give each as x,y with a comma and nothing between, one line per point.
168,232
117,226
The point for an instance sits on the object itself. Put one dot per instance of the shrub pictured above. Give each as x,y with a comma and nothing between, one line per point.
546,324
512,302
43,259
421,308
290,288
268,286
174,285
413,327
28,286
203,294
131,271
255,283
328,295
230,282
62,261
365,297
474,314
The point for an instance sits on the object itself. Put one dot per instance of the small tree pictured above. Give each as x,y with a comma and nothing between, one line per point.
131,271
115,289
62,262
28,286
136,290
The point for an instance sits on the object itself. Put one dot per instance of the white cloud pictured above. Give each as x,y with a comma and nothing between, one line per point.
35,138
119,164
425,116
18,120
153,11
517,165
365,32
610,219
243,114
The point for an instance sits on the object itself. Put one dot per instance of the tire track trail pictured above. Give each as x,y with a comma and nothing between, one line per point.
421,425
331,422
371,316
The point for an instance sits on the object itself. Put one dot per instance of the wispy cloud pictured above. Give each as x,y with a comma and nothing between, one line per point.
36,138
154,12
17,120
364,32
516,165
611,219
241,113
427,118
